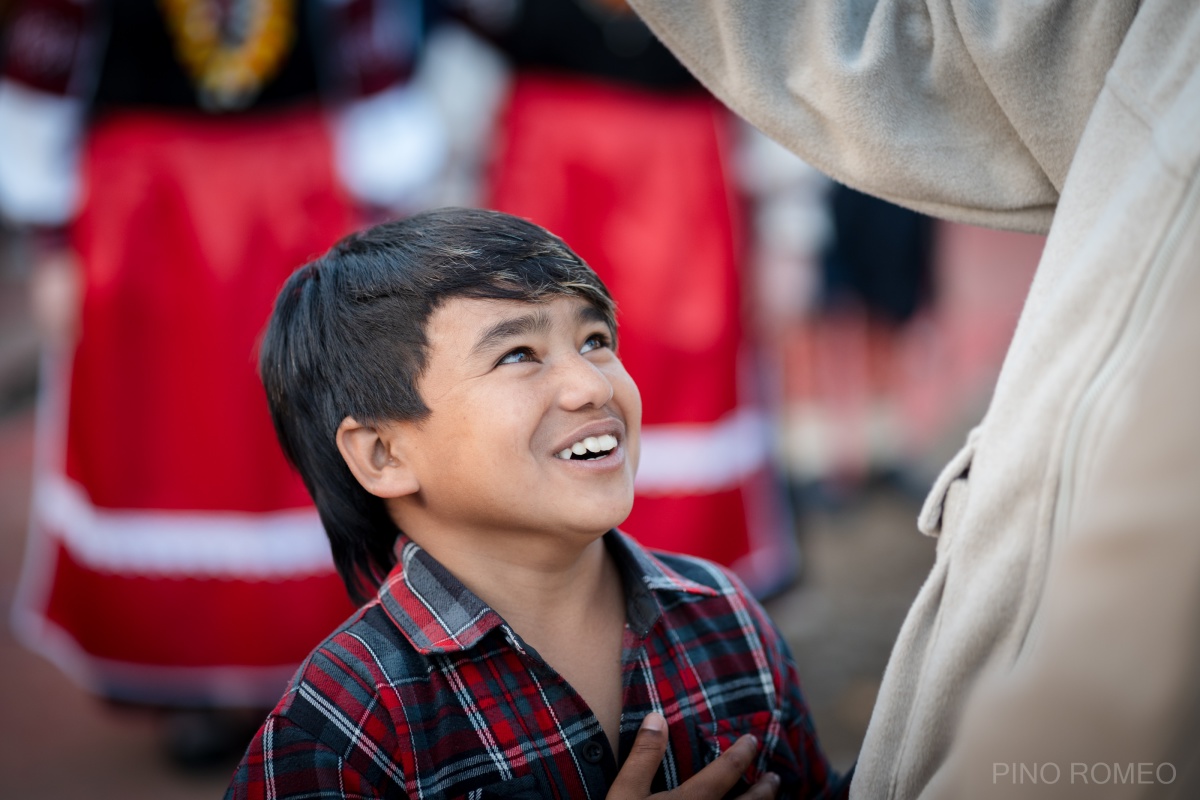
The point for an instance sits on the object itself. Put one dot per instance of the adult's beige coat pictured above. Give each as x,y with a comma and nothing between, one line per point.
1058,633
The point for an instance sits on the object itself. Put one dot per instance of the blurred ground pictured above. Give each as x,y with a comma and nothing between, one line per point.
863,564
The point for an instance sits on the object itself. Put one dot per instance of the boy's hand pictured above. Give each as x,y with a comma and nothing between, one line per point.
633,781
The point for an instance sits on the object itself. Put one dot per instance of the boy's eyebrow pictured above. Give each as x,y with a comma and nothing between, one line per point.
589,313
535,322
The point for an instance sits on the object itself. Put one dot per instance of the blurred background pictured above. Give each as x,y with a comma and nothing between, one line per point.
808,356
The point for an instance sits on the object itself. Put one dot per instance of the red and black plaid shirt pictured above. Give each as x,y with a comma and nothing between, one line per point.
427,692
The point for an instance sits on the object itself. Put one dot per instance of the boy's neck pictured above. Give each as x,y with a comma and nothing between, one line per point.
563,597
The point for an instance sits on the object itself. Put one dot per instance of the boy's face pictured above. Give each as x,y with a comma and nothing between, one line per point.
513,387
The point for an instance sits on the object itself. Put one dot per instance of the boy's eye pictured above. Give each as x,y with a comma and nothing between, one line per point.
597,341
520,355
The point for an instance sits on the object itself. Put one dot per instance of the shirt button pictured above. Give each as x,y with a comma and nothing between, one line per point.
592,752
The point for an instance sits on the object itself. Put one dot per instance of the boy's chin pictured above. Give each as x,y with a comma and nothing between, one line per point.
601,524
618,517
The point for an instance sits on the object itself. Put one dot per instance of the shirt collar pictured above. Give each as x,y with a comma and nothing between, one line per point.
438,614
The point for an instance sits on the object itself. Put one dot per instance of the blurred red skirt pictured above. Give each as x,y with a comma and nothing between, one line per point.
637,183
174,556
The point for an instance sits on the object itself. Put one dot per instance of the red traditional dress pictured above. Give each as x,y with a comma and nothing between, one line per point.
607,141
174,556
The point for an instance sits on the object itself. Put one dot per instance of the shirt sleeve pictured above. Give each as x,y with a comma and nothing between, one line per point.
964,109
285,760
47,60
389,139
390,147
39,155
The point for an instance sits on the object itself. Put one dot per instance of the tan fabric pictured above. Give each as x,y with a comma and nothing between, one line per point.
1114,678
1068,567
901,99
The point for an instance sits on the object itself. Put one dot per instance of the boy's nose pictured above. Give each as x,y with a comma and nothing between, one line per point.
582,383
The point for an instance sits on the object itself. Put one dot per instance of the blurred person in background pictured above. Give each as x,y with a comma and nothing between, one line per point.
603,137
173,161
873,277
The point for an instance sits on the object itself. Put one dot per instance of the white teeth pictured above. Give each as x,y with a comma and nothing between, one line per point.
592,444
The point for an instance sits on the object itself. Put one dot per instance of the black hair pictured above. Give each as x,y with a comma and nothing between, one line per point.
347,338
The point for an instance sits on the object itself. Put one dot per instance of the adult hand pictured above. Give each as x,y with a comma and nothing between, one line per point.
633,781
56,289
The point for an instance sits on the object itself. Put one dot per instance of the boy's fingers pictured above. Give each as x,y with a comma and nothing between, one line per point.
633,781
710,783
767,788
720,776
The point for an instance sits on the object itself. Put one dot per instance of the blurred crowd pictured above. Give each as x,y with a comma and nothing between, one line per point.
167,163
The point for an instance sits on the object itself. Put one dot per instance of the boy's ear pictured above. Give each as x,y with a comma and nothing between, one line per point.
376,458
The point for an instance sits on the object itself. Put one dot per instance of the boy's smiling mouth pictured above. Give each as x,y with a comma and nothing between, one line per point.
589,448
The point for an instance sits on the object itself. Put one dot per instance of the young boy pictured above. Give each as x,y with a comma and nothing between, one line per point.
448,387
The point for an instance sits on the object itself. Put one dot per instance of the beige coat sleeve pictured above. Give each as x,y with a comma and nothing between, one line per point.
965,109
1107,702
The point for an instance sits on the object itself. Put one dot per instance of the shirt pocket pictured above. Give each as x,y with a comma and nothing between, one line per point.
718,736
946,500
523,788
